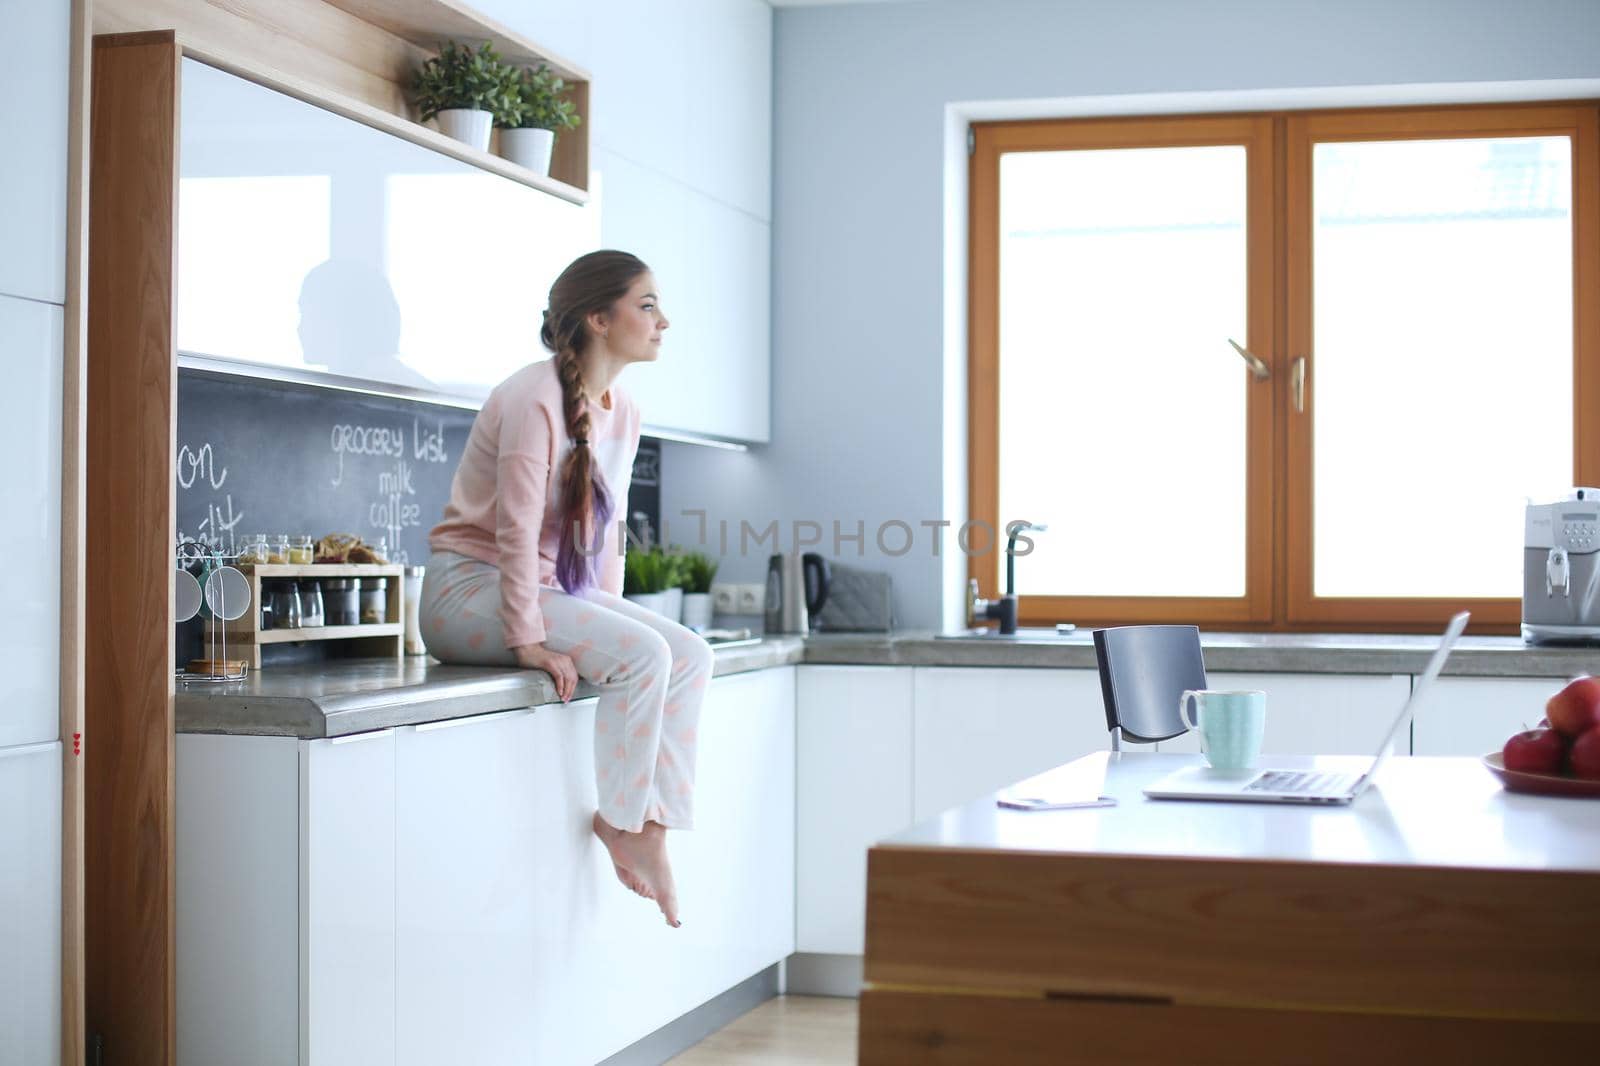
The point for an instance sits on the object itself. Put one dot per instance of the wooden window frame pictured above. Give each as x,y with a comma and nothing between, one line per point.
1304,609
1278,593
1256,134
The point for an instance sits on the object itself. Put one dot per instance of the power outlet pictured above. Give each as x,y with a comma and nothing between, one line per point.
730,598
752,598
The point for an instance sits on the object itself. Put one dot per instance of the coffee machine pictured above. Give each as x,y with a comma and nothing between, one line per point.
1561,570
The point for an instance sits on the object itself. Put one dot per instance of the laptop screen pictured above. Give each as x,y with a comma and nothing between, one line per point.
1407,709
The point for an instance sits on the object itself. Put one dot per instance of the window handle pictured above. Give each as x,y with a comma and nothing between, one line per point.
1257,366
1297,383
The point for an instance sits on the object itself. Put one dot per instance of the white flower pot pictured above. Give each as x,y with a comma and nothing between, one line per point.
467,125
697,611
672,603
529,148
650,601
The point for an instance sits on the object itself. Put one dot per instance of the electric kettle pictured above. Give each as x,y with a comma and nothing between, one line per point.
797,587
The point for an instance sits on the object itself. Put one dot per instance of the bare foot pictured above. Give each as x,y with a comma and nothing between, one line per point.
640,860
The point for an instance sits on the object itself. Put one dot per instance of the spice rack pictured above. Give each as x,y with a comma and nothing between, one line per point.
373,640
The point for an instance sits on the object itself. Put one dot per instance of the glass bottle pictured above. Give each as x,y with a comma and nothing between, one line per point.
311,607
285,605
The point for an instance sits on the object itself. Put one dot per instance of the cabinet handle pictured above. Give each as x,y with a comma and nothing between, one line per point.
471,719
1297,383
356,738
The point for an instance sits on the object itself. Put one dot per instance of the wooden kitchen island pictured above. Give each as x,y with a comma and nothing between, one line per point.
1437,919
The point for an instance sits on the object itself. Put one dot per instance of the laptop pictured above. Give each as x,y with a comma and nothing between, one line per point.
1303,786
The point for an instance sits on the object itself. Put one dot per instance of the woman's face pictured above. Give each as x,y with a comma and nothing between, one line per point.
632,329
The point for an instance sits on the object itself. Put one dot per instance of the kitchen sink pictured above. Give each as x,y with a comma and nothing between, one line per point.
1023,634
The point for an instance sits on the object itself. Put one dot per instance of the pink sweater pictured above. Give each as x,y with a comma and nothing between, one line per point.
504,500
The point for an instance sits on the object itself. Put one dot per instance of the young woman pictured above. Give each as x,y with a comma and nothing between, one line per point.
515,578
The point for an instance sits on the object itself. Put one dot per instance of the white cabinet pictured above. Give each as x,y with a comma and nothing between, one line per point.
310,242
33,180
348,929
285,899
854,730
1322,714
30,905
711,262
468,897
981,729
515,940
30,433
1476,715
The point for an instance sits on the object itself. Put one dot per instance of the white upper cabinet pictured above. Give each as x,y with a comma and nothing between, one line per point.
30,432
311,242
33,128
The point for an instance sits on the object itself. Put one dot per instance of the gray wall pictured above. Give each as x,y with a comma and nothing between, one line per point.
868,239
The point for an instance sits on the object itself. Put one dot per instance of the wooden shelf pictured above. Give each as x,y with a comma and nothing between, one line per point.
356,58
289,636
425,23
379,638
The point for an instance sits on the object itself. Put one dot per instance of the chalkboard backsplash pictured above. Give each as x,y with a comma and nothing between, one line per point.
268,457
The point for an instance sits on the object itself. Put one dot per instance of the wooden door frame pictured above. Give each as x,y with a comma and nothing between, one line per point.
129,526
1257,134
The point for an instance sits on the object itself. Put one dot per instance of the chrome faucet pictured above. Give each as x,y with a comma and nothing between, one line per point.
1004,609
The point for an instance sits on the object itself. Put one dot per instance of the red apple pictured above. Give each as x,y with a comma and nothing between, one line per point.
1583,760
1538,751
1576,707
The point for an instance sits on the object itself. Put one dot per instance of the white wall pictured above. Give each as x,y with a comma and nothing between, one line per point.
868,418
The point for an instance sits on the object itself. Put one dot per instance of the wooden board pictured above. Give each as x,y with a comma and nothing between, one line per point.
331,55
955,1030
74,408
1283,935
129,528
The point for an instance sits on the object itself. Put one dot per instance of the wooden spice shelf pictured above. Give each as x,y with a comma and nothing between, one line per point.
289,636
246,638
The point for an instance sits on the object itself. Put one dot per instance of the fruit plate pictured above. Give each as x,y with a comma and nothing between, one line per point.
1539,784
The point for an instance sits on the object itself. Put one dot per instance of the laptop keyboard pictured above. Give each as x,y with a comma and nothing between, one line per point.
1302,781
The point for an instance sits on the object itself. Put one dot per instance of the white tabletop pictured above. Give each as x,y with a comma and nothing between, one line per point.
1420,812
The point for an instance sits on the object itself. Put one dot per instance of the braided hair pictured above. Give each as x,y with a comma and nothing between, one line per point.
593,282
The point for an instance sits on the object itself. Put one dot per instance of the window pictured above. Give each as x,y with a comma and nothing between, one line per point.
1281,371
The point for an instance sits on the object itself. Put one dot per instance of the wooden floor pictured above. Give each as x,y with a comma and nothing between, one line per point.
814,1030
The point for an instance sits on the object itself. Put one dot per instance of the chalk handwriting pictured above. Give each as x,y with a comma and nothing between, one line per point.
365,440
192,464
428,444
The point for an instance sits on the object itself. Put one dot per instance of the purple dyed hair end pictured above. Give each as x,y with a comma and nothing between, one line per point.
577,570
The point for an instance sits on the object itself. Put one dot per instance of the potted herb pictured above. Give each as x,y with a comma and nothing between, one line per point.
535,108
463,90
644,578
698,572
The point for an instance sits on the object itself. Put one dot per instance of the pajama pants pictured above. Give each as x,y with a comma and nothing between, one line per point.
651,672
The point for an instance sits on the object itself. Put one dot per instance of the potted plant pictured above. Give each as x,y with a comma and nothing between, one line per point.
463,90
644,579
535,108
671,582
698,572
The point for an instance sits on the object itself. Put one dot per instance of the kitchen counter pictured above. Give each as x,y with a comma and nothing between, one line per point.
341,698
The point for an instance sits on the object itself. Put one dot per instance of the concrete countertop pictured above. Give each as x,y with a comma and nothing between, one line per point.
335,699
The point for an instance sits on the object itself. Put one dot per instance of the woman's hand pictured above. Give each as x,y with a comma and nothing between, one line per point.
557,665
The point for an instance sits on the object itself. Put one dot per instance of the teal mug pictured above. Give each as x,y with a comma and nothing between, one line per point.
1229,724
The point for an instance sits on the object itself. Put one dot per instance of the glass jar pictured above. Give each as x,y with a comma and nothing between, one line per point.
253,549
279,553
341,600
374,600
302,552
285,605
311,608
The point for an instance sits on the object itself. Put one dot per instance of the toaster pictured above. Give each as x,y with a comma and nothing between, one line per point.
1561,570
